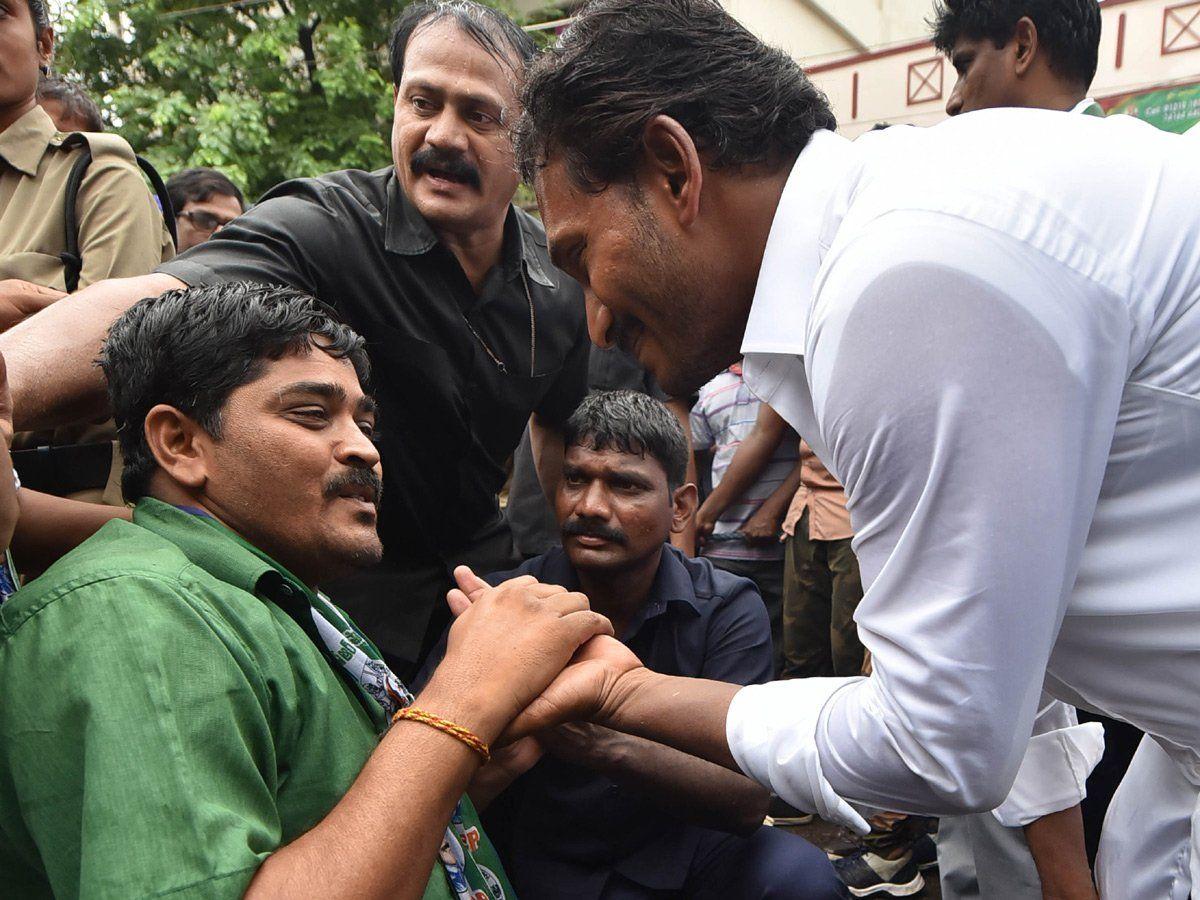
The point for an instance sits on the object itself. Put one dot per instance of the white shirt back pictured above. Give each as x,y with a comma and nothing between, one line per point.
989,330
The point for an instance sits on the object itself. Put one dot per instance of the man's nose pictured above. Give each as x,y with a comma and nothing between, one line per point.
600,322
954,104
446,132
594,502
354,448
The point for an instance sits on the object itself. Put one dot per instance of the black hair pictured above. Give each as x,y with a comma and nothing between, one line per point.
197,185
630,422
192,348
40,13
74,99
491,29
1068,29
622,62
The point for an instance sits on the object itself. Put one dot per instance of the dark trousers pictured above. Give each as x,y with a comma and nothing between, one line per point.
770,864
1120,743
767,575
821,591
401,606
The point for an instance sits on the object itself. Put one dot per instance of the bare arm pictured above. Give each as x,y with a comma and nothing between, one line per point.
745,467
764,525
403,799
546,446
50,526
514,638
51,355
685,713
21,299
1056,842
606,684
690,788
9,510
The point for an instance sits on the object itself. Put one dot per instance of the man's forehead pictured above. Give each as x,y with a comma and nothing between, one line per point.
214,201
442,55
312,367
965,44
562,202
611,458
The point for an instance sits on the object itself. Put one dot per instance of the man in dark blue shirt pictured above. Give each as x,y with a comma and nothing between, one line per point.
584,812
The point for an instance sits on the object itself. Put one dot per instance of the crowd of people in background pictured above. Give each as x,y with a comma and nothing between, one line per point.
311,504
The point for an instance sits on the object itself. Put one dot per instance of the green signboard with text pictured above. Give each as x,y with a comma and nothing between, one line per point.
1172,109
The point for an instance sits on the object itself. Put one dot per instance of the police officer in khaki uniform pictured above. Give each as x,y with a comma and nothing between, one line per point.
120,230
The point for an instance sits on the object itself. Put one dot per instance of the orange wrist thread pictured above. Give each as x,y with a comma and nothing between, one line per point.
472,740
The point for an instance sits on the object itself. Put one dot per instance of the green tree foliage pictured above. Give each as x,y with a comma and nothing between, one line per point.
264,90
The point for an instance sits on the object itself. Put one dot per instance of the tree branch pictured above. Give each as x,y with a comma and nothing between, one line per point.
310,55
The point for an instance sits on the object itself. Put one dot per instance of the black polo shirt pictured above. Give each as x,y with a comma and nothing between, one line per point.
457,375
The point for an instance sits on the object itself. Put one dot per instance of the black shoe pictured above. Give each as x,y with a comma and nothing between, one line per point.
865,874
924,851
847,843
779,813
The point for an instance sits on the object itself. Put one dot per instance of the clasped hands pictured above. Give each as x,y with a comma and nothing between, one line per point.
523,657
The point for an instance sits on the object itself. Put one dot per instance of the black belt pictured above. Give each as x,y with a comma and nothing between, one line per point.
64,470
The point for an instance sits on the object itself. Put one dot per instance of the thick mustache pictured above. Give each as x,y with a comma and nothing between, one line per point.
356,478
582,528
450,163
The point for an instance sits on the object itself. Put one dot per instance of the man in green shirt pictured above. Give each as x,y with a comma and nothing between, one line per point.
184,713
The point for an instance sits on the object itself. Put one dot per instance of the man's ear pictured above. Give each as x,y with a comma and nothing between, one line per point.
45,45
671,171
1025,46
684,502
179,445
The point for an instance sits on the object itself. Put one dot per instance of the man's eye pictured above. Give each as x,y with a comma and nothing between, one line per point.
421,104
368,428
310,413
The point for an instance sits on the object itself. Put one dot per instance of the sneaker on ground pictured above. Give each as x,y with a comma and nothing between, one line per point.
779,813
866,874
847,843
924,851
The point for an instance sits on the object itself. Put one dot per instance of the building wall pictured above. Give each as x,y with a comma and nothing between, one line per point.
791,26
872,57
1144,44
814,30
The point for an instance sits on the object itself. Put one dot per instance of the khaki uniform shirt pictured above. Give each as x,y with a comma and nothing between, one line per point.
121,231
823,498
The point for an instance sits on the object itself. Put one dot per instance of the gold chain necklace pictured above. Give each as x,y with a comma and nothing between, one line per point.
532,333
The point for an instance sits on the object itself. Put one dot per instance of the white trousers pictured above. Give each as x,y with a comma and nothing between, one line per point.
1148,849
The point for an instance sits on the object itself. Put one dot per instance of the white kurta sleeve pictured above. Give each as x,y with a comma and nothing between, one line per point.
966,389
1054,771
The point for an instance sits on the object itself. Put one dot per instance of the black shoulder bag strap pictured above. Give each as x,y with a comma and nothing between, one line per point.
71,259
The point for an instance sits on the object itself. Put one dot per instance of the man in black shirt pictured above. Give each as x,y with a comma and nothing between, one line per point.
471,330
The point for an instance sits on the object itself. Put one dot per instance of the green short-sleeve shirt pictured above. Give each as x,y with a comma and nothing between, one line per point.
166,723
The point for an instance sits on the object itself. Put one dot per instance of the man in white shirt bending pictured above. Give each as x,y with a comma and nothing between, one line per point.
927,307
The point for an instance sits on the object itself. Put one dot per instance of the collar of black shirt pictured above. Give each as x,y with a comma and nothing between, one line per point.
406,232
672,583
